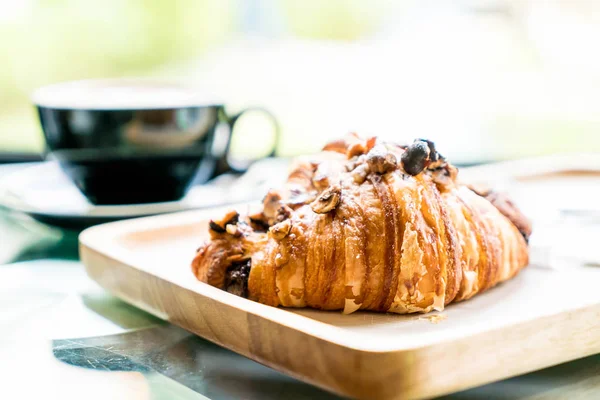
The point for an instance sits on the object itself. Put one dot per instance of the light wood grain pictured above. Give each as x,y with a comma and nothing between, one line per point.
540,318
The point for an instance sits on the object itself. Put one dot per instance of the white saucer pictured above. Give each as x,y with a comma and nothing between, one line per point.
44,192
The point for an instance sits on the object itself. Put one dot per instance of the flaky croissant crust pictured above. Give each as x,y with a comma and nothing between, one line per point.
372,226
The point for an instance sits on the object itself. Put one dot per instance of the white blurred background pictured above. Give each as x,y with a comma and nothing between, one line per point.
486,80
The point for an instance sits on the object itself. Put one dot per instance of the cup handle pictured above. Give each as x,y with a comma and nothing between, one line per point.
224,164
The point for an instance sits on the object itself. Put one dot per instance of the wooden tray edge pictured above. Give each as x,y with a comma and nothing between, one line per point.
423,372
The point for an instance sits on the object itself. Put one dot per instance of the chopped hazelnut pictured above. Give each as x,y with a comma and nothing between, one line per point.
328,200
233,230
356,149
360,173
283,213
231,217
339,146
281,230
320,179
380,160
371,142
271,205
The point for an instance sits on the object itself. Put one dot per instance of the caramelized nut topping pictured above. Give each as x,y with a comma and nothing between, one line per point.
281,230
339,146
358,146
360,173
355,162
380,160
271,204
218,226
351,164
356,149
232,217
283,213
320,180
352,145
233,230
371,142
328,200
444,176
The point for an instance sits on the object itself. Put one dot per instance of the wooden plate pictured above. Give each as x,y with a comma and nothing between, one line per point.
541,318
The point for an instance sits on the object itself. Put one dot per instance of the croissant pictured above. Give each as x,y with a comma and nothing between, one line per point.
370,226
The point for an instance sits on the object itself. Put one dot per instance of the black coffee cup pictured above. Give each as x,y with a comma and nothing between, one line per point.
132,141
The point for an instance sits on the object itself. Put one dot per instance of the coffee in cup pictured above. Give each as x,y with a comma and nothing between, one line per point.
135,141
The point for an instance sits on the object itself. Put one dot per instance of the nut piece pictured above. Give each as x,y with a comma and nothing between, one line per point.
380,160
328,200
355,162
358,146
444,176
233,230
416,157
281,230
339,146
356,149
371,142
271,204
360,173
232,217
283,212
320,179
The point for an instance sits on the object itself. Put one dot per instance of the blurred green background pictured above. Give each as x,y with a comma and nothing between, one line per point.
486,79
48,41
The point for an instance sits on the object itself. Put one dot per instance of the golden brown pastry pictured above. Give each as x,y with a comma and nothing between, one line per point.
371,226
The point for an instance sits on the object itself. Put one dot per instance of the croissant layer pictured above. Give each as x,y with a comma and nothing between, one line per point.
368,226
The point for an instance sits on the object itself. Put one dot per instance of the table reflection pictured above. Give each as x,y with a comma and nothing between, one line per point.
186,359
